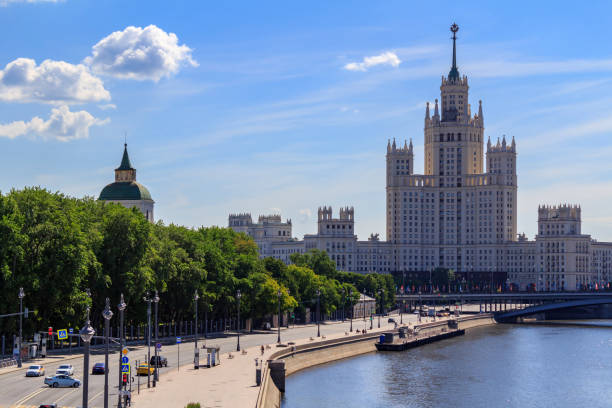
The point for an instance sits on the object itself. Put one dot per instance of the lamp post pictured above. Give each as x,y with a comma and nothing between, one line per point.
351,297
107,314
87,332
196,352
21,296
380,292
420,306
362,296
290,311
318,312
278,293
156,376
401,311
343,303
238,296
148,299
121,306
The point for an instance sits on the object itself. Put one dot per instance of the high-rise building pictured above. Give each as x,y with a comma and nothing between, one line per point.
461,214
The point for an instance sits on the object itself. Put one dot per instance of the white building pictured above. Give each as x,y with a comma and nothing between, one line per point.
459,215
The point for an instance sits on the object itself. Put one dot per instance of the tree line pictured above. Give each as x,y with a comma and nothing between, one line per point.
56,247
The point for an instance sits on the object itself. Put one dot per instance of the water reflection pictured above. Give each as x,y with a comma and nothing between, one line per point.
499,366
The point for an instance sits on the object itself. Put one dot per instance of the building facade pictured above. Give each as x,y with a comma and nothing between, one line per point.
127,191
461,214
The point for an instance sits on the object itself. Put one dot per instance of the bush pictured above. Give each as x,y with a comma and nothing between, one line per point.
193,405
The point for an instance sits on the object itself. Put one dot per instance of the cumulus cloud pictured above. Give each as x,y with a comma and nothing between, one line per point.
140,53
54,82
386,58
62,125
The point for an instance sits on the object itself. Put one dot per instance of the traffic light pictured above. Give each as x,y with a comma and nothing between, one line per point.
50,331
124,379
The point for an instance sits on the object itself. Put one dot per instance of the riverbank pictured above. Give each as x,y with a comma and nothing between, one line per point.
309,355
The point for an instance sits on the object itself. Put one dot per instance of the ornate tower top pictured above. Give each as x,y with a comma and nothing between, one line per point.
454,72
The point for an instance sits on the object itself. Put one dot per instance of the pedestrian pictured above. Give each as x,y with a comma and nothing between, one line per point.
262,349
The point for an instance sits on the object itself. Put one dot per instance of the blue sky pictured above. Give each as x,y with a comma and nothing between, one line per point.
244,106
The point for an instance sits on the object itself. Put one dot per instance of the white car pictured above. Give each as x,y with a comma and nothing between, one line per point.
65,369
62,381
35,371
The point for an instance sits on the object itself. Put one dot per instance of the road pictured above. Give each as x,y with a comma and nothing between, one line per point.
17,390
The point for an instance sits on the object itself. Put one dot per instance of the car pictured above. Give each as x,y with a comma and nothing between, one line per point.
98,368
48,406
35,371
145,369
391,320
62,380
160,360
66,369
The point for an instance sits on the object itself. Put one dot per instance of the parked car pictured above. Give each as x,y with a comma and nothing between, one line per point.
62,381
66,369
48,406
391,320
35,371
160,360
98,368
145,369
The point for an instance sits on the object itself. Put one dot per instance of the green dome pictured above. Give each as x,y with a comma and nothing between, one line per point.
125,191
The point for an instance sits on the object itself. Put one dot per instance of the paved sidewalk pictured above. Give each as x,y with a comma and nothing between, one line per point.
231,384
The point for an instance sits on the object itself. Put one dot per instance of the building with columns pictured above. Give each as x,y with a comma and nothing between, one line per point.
461,214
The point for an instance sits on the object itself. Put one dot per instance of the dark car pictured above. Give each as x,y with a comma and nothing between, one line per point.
98,368
158,361
48,406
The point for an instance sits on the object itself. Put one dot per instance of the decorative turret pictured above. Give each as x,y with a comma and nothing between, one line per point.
436,114
427,118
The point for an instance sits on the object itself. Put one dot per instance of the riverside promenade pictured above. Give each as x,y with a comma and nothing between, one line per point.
232,384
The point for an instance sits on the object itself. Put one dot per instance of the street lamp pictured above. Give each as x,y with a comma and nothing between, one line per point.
343,303
318,313
107,314
238,296
87,333
148,299
196,352
21,296
380,292
278,293
401,311
121,306
156,301
291,310
351,297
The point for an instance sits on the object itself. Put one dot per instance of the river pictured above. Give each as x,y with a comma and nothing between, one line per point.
494,366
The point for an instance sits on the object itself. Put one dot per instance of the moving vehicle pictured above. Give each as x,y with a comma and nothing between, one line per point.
391,320
160,360
145,369
35,371
62,380
98,368
66,369
48,406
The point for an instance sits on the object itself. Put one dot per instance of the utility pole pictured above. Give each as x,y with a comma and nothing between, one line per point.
121,306
21,296
107,314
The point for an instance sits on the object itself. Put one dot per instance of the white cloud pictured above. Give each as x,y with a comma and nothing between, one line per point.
62,125
107,106
140,53
386,58
50,82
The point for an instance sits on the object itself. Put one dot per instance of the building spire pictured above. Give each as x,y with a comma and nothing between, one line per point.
125,160
454,72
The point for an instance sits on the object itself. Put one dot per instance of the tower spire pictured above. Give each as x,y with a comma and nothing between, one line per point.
454,72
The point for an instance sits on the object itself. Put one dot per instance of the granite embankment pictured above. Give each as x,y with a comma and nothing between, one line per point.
300,356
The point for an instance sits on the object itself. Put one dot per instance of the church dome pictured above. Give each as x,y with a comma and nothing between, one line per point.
127,190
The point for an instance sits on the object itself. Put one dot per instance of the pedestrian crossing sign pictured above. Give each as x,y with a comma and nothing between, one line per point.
62,334
125,368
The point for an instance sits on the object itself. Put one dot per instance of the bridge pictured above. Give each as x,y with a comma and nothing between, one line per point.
509,307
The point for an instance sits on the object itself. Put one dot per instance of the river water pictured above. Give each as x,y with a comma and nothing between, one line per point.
495,366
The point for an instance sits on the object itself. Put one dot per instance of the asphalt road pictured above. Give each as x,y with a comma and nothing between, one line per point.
16,389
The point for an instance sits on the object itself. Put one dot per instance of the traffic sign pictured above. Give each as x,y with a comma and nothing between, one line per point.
158,346
124,351
125,368
178,340
62,334
71,330
125,360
